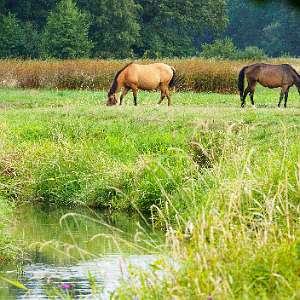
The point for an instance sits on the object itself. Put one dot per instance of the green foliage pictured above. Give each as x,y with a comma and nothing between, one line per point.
12,38
253,53
173,29
154,29
223,49
272,26
33,11
208,173
66,32
116,28
6,252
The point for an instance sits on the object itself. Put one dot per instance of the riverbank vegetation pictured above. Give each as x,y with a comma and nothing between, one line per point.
223,182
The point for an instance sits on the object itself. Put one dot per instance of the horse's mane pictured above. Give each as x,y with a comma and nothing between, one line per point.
114,85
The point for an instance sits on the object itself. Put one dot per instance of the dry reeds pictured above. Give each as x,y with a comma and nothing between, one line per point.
197,75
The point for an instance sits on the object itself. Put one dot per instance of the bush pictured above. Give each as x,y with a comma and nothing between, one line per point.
224,49
253,53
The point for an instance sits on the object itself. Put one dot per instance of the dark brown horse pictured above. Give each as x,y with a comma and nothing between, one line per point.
271,76
145,77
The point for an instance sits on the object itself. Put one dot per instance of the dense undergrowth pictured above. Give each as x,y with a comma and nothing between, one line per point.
223,182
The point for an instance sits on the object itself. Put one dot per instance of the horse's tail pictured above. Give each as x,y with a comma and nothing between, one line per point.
172,82
241,82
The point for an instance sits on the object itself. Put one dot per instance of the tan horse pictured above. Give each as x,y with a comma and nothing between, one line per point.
271,76
145,77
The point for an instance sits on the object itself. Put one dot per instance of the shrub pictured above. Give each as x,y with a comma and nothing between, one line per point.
253,53
224,49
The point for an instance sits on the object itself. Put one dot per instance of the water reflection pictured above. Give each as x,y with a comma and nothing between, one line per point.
107,272
83,244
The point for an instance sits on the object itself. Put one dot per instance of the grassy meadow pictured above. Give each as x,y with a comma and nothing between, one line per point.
224,183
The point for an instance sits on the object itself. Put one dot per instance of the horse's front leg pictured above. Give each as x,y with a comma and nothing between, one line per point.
285,93
162,97
280,98
124,93
286,96
134,91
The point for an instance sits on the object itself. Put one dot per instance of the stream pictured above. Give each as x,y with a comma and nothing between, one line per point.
85,253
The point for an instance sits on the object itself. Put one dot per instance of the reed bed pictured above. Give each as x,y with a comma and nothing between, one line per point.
197,75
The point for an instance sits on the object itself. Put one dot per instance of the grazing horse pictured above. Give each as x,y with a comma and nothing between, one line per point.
271,76
144,77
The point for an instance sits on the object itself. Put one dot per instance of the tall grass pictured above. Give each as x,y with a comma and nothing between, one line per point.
8,250
224,183
240,238
198,75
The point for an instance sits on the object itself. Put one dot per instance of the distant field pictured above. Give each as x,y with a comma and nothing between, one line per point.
224,181
196,74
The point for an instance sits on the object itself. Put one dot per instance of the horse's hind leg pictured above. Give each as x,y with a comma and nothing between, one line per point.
247,91
169,97
165,93
284,93
162,97
252,91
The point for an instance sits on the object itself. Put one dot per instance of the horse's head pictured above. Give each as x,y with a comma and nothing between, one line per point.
112,100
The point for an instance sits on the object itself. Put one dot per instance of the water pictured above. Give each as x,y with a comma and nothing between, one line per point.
78,252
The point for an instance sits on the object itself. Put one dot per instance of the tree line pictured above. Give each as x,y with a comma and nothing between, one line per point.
145,28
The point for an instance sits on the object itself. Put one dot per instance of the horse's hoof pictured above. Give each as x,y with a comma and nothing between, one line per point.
254,107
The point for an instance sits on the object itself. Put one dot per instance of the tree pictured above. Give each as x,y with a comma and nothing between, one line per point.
115,28
11,37
32,40
273,26
34,11
171,27
66,32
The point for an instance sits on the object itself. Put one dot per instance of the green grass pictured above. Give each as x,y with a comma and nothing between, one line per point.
224,182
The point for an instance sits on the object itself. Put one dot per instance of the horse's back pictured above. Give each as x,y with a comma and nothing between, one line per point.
150,76
157,68
269,75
